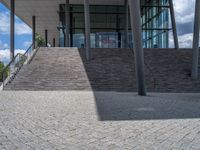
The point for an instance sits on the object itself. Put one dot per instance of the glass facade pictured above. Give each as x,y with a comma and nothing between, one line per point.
108,25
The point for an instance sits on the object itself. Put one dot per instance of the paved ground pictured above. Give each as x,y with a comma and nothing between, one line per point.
100,120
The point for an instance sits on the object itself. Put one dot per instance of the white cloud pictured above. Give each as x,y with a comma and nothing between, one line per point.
5,54
27,43
20,27
184,10
185,40
3,45
171,40
184,13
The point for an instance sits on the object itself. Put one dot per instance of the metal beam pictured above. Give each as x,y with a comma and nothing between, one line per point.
33,31
12,29
87,28
46,38
195,52
173,20
126,41
67,23
135,16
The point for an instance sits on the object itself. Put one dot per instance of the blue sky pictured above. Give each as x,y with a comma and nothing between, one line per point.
23,32
184,13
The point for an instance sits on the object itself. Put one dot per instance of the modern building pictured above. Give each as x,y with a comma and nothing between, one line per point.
89,24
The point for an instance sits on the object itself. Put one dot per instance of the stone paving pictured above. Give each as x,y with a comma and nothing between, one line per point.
98,121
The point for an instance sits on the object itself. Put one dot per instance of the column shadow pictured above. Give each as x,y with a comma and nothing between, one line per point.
112,78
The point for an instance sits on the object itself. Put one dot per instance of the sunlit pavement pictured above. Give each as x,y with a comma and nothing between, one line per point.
98,120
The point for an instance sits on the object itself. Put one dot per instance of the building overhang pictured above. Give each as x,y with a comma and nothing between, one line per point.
46,14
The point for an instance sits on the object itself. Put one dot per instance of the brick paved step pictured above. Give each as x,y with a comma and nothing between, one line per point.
109,70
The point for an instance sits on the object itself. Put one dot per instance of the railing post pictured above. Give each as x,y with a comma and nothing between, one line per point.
46,37
54,42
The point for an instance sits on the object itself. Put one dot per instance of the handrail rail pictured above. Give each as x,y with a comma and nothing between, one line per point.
16,57
22,57
149,68
28,49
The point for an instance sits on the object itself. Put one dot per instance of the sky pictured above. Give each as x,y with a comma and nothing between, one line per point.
23,35
184,13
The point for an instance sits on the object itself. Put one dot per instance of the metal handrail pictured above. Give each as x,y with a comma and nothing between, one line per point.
149,68
6,70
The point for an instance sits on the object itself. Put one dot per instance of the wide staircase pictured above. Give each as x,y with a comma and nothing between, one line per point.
108,70
67,69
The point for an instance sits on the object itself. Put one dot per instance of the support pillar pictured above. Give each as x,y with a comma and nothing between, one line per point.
33,32
12,29
118,32
87,28
46,38
67,23
173,20
195,52
54,42
126,41
138,48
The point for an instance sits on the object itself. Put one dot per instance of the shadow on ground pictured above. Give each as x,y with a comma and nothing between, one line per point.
114,71
126,106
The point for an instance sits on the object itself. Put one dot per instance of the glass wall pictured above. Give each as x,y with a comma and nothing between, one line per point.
155,23
108,25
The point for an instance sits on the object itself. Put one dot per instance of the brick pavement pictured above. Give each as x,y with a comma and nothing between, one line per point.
98,121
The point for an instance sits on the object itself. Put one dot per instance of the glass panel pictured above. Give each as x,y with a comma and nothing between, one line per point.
108,25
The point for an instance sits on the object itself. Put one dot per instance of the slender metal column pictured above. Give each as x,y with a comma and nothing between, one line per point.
173,20
71,30
195,54
33,31
12,29
87,28
126,41
118,32
137,40
64,34
46,38
54,42
67,23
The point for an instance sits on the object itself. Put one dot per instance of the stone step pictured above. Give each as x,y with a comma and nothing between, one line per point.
108,70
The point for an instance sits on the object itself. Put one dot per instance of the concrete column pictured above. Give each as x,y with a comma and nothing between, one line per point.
195,52
173,20
126,41
138,48
33,31
46,38
12,29
67,23
87,28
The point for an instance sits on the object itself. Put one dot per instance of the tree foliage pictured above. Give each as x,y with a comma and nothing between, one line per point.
39,40
1,69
